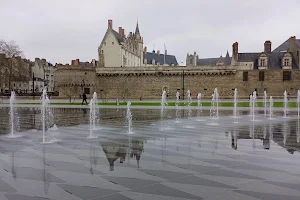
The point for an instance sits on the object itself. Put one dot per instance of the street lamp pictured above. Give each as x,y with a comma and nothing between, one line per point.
32,85
182,84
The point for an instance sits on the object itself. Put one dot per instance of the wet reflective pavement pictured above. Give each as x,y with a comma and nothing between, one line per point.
189,158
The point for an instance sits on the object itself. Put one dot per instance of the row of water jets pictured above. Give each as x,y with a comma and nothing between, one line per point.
95,116
214,109
47,117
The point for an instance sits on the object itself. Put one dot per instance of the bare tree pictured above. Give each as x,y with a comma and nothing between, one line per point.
124,88
71,91
11,51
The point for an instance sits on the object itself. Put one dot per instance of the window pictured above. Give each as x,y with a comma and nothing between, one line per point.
261,76
104,43
286,62
19,85
297,53
245,76
102,51
86,90
112,43
287,75
262,62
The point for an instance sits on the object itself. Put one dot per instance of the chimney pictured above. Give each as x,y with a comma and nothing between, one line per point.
158,51
77,62
73,62
123,32
145,49
120,30
268,46
130,34
37,59
44,59
235,50
110,24
166,52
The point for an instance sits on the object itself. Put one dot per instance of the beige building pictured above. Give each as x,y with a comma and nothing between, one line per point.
120,50
72,80
43,75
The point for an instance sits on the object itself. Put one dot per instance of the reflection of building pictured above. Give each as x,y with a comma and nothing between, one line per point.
119,148
285,134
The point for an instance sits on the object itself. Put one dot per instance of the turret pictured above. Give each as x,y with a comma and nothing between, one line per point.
139,39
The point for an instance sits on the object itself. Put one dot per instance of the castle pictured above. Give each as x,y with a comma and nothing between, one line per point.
119,50
126,70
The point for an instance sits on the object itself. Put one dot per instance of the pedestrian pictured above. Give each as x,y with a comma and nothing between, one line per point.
84,98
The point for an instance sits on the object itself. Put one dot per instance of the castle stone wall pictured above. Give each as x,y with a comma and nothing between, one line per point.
150,84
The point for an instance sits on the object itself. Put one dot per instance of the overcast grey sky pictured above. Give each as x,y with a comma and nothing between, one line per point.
62,30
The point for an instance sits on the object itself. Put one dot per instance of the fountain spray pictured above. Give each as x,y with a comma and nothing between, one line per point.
13,120
285,102
265,103
271,107
129,117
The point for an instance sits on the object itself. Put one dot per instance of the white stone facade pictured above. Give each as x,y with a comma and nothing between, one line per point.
44,74
119,50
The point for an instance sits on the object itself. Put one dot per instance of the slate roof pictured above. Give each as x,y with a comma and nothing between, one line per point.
285,46
213,61
137,30
274,59
86,64
170,59
247,57
118,36
298,42
207,61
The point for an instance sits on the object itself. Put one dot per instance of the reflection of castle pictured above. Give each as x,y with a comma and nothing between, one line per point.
119,148
285,134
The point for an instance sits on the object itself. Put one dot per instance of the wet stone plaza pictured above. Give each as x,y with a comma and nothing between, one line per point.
180,154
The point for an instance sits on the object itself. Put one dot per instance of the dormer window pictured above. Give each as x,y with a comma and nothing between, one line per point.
286,62
262,62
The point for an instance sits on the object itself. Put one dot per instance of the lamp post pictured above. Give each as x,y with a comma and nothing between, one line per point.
182,84
32,85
